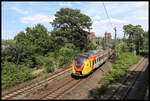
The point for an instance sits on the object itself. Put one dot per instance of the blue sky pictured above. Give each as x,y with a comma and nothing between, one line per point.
16,16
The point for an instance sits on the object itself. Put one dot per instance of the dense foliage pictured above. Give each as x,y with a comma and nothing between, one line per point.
27,44
7,42
71,26
120,48
12,75
135,37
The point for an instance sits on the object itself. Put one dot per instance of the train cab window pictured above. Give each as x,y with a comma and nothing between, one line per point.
79,60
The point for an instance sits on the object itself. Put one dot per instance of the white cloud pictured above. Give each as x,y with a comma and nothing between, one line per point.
39,18
142,19
102,26
96,18
114,21
117,21
19,10
68,4
141,4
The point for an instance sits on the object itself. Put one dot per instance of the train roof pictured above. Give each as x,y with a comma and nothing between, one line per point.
91,53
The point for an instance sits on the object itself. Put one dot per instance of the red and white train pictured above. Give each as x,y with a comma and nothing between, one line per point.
87,62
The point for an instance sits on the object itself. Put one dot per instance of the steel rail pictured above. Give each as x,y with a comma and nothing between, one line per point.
124,81
33,86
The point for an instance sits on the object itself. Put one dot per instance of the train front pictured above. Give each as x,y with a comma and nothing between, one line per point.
78,65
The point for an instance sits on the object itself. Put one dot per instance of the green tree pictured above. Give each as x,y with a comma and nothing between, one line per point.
37,36
120,48
135,36
70,25
28,44
7,42
145,47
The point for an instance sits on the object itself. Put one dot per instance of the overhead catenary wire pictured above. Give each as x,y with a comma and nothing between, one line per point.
113,27
107,15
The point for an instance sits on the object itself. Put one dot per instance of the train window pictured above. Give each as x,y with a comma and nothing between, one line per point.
93,62
79,60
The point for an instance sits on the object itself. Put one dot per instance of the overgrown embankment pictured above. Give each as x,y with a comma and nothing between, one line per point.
118,69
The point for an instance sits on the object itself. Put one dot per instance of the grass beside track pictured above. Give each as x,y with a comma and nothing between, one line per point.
118,69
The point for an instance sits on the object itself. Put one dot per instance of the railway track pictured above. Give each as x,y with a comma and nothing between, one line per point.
62,87
29,88
123,89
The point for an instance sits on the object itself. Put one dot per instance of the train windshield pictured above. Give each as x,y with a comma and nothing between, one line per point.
79,61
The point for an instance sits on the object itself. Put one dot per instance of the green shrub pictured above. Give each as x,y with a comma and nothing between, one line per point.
39,60
12,74
48,64
65,56
28,62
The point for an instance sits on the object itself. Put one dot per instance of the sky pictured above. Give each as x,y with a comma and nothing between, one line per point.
16,16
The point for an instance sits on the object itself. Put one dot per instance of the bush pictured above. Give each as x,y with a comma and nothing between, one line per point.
11,74
65,56
39,60
28,62
48,64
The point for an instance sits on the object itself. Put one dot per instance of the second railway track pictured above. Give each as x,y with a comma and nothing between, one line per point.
121,90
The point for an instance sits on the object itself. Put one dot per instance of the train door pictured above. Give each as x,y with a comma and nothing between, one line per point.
101,58
96,62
